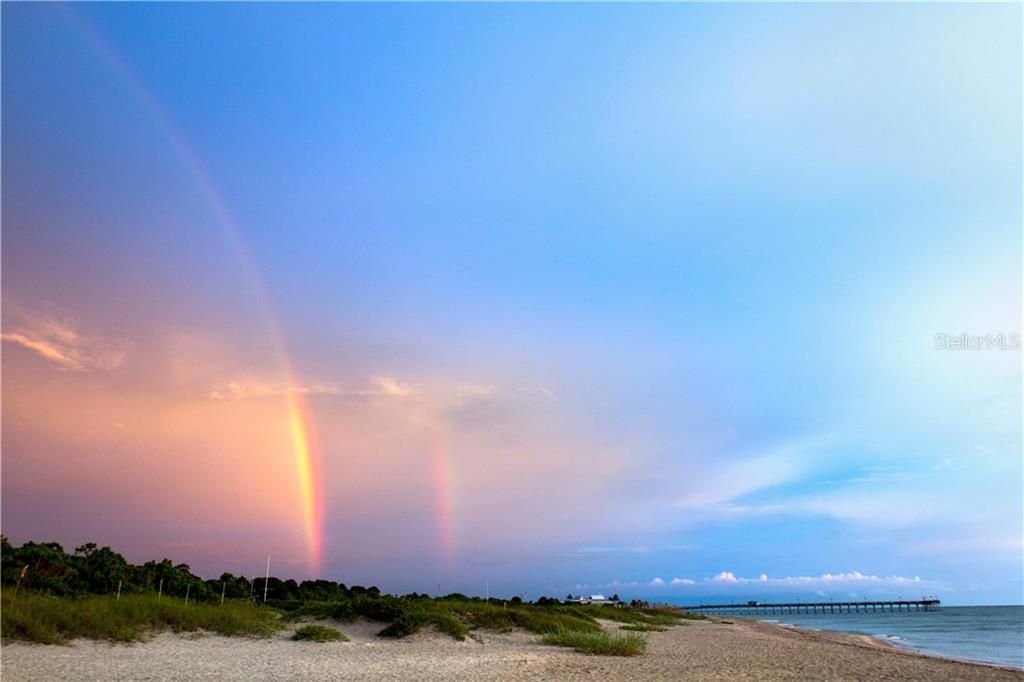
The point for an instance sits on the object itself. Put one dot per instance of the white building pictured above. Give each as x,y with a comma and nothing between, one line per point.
592,599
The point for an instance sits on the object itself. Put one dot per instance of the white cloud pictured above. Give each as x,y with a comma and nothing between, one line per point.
741,476
61,344
239,391
386,386
377,386
823,579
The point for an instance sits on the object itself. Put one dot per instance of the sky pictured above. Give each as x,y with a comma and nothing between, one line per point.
656,300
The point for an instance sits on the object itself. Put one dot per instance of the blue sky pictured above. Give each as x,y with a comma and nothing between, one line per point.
577,296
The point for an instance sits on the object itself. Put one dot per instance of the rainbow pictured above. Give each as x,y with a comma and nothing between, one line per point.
299,420
441,473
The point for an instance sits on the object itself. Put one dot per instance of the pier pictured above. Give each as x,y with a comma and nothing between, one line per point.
756,607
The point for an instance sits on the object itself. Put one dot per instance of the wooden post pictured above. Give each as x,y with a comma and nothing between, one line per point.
119,589
21,575
266,583
160,591
187,588
223,589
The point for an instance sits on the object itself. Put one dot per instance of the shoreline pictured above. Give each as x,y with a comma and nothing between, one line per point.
881,642
742,649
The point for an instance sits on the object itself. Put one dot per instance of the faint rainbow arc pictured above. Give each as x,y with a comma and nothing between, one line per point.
441,473
299,421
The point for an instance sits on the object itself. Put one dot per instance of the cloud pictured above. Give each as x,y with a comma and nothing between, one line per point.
735,478
60,343
978,544
825,580
386,386
377,386
239,391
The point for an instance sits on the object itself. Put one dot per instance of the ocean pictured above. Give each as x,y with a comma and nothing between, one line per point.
992,634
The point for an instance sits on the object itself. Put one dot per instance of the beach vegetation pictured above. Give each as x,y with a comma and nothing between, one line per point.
601,643
643,627
50,595
319,633
50,619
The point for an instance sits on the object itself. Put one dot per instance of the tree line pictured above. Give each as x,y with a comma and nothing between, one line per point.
47,567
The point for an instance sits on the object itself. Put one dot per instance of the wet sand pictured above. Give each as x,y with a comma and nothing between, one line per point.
742,650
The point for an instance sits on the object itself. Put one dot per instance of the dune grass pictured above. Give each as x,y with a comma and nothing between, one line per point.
319,633
49,619
456,617
643,627
404,616
599,643
55,620
415,619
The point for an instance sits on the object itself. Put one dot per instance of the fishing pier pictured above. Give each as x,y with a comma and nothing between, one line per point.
754,607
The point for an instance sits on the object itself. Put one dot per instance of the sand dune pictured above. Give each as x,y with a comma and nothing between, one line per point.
743,650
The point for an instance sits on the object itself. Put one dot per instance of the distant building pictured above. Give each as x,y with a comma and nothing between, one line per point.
599,599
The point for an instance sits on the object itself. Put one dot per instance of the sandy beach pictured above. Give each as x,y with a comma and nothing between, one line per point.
740,650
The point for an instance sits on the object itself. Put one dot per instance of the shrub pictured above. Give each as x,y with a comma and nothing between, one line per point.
315,609
54,620
643,627
600,643
404,625
319,633
414,619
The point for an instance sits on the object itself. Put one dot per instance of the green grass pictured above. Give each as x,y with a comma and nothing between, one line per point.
415,619
538,619
56,620
643,627
43,618
599,643
319,633
456,617
650,616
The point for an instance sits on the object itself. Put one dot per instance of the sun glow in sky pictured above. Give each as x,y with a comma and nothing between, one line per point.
637,299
